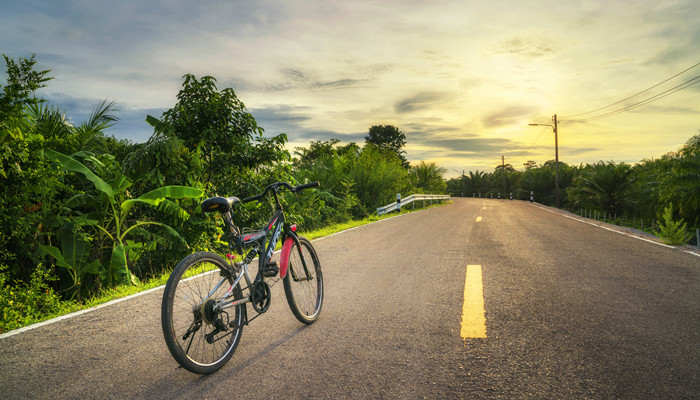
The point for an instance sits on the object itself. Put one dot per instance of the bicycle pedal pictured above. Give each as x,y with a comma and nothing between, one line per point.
271,269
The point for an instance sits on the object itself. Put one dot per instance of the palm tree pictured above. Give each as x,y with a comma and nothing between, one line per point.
682,185
477,182
63,136
605,185
428,177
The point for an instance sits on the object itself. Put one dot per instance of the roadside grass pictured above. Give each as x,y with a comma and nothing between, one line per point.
67,307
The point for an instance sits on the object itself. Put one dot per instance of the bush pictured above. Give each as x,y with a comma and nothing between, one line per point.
670,231
23,303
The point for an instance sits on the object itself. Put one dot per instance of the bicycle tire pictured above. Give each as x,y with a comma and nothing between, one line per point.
183,305
305,296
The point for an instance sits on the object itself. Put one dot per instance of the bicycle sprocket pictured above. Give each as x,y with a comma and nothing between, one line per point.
260,296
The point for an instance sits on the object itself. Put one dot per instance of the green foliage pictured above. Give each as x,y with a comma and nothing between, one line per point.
504,174
222,139
99,235
603,185
388,137
478,182
107,208
25,303
27,186
60,135
542,181
378,175
427,178
73,257
22,82
682,185
670,231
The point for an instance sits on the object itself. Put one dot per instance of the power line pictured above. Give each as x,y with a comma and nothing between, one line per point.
634,95
661,95
540,138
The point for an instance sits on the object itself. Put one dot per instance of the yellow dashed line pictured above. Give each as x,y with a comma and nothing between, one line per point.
473,313
478,219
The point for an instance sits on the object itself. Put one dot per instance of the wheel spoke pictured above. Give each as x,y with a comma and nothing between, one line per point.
190,316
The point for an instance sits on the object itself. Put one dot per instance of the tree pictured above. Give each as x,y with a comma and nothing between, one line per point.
378,176
27,200
504,173
529,164
317,151
22,82
455,186
217,132
107,208
388,137
61,135
682,184
605,185
427,177
477,182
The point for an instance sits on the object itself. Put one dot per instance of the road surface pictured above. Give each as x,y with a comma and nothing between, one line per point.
571,311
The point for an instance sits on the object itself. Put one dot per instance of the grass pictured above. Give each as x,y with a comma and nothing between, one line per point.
119,292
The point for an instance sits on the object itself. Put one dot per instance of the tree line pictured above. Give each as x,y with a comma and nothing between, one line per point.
82,212
646,189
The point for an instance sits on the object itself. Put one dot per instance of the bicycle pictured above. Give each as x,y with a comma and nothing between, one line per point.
204,306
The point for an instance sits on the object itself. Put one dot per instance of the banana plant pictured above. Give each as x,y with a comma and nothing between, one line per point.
73,256
112,209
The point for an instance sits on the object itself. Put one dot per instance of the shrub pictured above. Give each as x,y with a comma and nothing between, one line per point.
23,303
670,231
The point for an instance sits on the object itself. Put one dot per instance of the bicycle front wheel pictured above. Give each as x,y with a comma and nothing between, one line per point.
201,335
303,284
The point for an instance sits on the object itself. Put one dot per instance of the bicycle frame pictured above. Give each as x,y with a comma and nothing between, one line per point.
197,290
279,227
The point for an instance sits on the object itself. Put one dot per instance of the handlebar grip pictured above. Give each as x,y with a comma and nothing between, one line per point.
308,185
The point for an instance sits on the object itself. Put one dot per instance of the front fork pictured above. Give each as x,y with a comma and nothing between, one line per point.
290,232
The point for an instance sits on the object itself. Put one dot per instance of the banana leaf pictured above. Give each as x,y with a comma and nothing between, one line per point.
157,196
74,165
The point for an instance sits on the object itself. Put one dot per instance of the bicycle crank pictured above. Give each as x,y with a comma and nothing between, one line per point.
260,296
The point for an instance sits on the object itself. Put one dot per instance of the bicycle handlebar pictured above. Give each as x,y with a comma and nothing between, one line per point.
308,186
275,186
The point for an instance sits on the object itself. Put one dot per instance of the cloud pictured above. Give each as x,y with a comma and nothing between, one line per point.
466,144
509,116
292,121
419,101
527,46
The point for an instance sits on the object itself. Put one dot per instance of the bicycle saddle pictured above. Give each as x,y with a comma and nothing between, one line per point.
219,204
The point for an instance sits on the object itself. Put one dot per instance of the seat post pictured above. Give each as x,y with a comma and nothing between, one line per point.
234,233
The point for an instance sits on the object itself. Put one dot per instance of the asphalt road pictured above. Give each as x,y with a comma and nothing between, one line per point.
572,311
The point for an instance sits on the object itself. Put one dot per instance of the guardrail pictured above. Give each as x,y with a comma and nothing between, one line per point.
411,200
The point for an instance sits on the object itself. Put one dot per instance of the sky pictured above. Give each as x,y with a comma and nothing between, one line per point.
462,79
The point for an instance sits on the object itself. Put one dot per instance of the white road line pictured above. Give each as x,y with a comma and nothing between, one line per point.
109,303
76,313
605,227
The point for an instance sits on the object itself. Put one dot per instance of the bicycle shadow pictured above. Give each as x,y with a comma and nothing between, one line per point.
200,384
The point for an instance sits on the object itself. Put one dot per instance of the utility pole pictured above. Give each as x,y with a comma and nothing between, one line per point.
464,184
503,173
556,155
556,159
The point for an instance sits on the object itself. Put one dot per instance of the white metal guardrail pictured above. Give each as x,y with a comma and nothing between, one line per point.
411,200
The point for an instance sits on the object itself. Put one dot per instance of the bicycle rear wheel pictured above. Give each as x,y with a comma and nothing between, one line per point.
200,337
303,284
